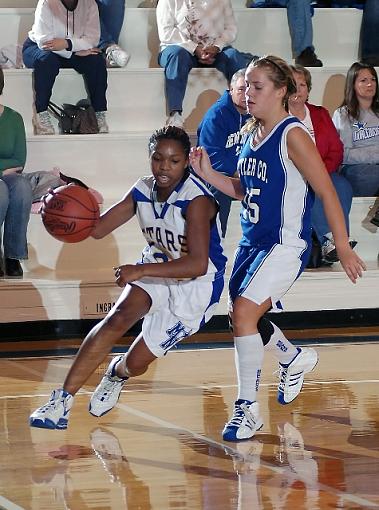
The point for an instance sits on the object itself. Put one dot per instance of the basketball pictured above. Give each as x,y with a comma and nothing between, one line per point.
70,213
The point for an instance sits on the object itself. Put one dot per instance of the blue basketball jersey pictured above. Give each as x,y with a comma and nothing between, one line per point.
277,203
164,223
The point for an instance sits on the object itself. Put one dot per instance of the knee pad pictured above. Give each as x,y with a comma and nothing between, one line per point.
266,329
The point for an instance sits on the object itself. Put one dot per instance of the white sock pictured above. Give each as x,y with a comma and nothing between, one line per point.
248,359
121,365
280,346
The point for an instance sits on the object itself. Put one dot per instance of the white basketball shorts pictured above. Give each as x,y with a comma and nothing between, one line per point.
178,309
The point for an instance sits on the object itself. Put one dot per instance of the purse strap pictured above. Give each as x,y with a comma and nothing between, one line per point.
56,110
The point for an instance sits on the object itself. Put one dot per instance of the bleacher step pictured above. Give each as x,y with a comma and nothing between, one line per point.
46,297
260,31
136,97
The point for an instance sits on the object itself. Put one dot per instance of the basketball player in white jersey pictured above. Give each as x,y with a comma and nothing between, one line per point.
278,167
175,287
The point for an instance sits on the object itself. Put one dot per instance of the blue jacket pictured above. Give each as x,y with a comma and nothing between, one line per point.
219,134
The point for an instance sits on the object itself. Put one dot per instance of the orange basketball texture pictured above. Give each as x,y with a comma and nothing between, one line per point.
70,213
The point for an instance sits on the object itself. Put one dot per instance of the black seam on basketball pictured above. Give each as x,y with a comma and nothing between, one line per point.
60,215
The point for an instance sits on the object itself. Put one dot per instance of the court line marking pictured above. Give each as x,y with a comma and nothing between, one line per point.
184,388
8,505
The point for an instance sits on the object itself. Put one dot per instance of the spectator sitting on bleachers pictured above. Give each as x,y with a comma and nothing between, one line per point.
321,128
299,15
193,33
369,33
65,34
220,134
15,191
111,19
357,122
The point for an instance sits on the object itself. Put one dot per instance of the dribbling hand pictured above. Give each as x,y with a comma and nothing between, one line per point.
127,273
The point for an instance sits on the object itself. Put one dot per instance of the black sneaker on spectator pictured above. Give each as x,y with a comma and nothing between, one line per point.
13,268
329,251
308,58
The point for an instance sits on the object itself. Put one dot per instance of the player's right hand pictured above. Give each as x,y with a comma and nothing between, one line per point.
127,273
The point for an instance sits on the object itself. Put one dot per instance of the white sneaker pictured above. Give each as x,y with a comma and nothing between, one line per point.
115,56
42,123
292,375
244,423
102,122
107,393
175,120
54,414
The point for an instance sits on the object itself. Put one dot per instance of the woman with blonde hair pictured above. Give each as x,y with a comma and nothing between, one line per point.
279,167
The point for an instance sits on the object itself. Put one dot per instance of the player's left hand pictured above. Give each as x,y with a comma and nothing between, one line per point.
127,273
352,264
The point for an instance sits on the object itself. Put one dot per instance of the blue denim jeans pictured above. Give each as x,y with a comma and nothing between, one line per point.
47,64
345,194
15,204
299,15
178,62
364,179
369,32
111,19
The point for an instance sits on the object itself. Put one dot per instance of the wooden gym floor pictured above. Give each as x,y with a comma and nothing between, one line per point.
161,449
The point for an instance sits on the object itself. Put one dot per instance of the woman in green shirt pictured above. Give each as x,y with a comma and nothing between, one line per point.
15,191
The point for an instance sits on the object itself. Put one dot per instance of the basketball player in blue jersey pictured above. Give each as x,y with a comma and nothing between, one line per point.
175,287
278,167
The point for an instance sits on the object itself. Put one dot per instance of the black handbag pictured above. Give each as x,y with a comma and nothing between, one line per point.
79,118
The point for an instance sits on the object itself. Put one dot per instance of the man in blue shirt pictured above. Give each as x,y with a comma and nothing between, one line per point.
220,134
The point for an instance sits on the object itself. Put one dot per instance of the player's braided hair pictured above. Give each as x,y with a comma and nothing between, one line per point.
280,74
170,133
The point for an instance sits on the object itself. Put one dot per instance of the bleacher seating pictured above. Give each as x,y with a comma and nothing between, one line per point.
76,281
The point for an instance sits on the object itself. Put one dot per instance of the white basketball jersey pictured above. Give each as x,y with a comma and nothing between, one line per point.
164,223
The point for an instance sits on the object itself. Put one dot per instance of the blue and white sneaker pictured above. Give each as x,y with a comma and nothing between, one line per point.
107,393
245,422
292,375
54,414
